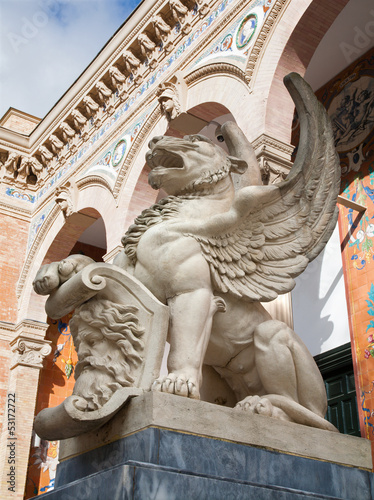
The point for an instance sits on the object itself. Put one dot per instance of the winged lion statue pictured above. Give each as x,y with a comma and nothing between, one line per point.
213,255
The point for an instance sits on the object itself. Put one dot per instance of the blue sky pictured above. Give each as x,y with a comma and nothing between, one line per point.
46,44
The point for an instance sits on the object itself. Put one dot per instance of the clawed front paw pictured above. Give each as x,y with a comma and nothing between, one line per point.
256,404
177,384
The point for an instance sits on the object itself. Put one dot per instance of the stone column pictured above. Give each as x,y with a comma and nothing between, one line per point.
29,348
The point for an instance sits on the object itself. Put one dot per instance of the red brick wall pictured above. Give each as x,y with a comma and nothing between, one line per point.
13,242
5,355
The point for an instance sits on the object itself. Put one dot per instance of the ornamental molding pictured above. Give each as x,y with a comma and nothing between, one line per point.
99,72
112,59
13,147
29,352
7,331
15,211
265,140
262,37
93,180
34,330
231,14
213,69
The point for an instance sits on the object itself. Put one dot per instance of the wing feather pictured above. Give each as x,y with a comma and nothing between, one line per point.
272,232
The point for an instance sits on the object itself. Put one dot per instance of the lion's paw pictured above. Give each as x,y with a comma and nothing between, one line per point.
51,276
177,384
256,404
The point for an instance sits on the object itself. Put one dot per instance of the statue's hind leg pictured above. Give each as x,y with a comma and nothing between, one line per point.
293,386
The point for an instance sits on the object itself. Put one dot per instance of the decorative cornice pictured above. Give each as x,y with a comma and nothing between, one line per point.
213,69
262,37
264,140
29,352
224,68
101,69
29,328
15,211
7,331
14,148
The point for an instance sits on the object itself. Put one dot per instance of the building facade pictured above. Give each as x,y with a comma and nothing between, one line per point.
74,181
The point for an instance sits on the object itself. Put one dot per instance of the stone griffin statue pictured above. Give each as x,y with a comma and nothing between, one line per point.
212,255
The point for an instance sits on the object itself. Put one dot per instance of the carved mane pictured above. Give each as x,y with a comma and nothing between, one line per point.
163,210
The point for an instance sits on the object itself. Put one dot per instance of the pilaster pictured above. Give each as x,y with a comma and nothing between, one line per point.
28,348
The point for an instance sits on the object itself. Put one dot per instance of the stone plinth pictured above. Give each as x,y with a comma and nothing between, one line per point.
167,447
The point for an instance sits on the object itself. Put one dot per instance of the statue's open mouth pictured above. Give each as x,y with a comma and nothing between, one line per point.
166,159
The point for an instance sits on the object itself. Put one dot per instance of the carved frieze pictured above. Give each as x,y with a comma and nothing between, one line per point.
147,46
103,91
180,15
117,77
162,30
45,155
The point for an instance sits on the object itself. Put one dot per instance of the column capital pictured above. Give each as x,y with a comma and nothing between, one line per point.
274,157
28,351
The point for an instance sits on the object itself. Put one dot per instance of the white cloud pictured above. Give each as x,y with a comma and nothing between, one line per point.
46,44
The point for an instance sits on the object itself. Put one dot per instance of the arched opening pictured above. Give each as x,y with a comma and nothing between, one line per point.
321,295
296,56
83,233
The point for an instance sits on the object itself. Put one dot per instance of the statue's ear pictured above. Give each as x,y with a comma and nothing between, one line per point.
238,166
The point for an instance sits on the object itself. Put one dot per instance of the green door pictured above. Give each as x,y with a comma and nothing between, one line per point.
337,371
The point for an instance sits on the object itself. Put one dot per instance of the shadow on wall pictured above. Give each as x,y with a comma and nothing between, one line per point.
319,302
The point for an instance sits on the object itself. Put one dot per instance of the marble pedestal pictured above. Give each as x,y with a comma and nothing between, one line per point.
167,447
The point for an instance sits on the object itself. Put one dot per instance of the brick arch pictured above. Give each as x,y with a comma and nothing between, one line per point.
298,49
54,241
213,94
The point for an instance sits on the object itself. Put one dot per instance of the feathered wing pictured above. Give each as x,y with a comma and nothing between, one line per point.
271,233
